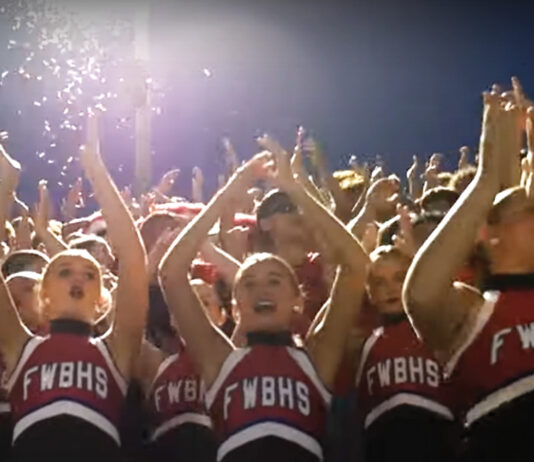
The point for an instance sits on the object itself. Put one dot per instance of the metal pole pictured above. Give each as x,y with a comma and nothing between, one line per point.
143,164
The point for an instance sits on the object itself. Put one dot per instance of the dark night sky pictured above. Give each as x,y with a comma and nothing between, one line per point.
394,78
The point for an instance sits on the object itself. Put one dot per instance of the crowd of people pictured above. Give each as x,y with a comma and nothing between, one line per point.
298,315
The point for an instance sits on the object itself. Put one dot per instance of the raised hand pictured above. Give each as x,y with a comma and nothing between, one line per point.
282,174
383,194
167,181
405,241
231,156
463,162
73,201
90,152
411,173
23,231
297,164
197,184
42,208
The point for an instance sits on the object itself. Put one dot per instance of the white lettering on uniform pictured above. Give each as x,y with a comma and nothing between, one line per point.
27,380
227,398
303,399
285,392
400,368
66,375
416,370
432,373
101,387
268,397
496,343
383,373
85,375
190,390
48,374
157,396
526,333
174,391
249,392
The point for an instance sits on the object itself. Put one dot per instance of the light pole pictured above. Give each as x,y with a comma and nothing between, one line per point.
143,164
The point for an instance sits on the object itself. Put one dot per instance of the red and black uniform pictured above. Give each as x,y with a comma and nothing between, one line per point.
405,405
268,404
66,395
5,419
180,425
493,373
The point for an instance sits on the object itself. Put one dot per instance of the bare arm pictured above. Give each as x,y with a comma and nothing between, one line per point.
437,308
12,333
226,265
10,172
52,242
132,289
326,343
208,346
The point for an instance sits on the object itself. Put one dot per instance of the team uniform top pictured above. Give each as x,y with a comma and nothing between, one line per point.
179,420
493,371
66,380
5,417
405,404
268,403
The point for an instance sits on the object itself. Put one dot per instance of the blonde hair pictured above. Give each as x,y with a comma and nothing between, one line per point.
262,257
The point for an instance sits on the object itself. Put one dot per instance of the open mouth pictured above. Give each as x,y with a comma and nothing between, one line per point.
264,306
76,292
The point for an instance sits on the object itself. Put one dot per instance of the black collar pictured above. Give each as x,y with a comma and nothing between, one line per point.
70,326
391,319
509,282
283,338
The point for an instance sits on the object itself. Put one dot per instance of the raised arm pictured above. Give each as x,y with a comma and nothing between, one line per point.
343,246
441,311
12,334
327,341
53,243
132,290
208,346
9,179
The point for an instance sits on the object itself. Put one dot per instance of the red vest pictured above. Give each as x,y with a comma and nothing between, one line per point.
177,396
495,365
66,374
268,391
395,370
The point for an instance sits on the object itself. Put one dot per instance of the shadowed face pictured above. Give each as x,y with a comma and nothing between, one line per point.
384,283
24,295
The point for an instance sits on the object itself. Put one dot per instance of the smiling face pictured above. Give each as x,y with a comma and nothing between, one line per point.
71,287
385,279
266,294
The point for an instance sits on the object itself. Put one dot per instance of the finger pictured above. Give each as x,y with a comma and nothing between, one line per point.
519,95
530,130
92,141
